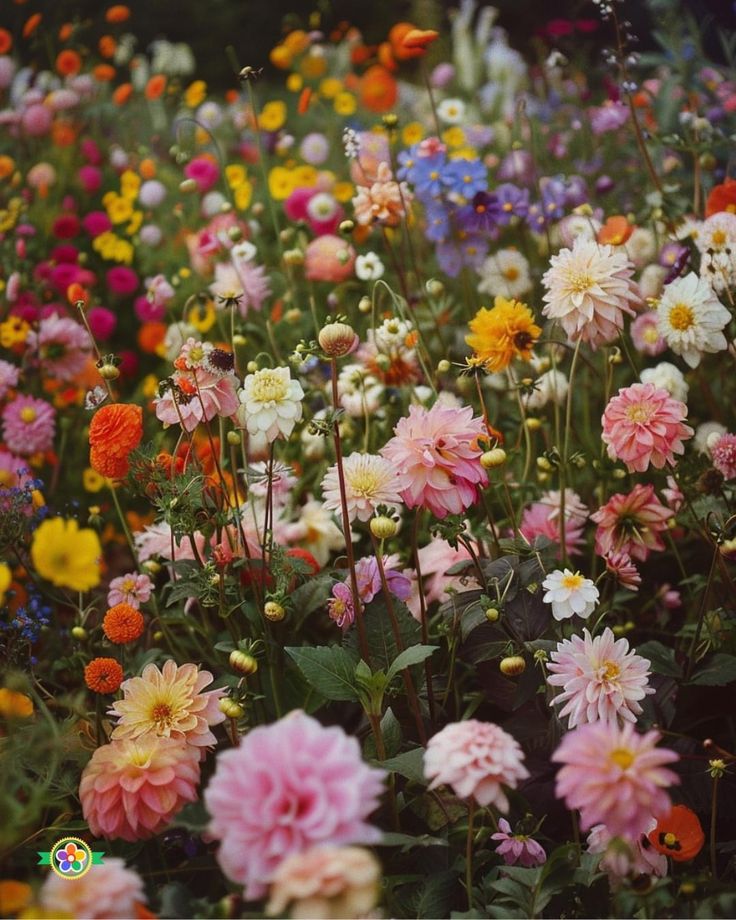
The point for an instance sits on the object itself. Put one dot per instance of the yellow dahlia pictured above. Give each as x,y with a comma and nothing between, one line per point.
67,555
503,333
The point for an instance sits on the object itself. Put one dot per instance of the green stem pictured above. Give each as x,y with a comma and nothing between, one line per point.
469,855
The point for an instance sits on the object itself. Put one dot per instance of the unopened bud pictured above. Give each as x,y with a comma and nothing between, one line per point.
294,257
242,662
293,316
434,287
619,474
273,611
233,438
337,339
443,366
512,666
492,614
108,372
235,234
151,566
493,458
533,424
231,709
79,633
346,226
717,768
287,235
239,340
187,186
158,635
383,527
543,464
365,304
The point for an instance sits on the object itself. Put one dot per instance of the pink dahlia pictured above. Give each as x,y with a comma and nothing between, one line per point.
600,679
645,334
620,858
541,519
197,396
62,345
28,425
434,560
476,759
111,892
518,849
723,455
132,789
133,589
437,455
329,258
589,289
623,569
644,425
631,523
288,787
340,606
615,777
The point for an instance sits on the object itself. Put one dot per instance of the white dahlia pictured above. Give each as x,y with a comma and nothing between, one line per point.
691,319
271,405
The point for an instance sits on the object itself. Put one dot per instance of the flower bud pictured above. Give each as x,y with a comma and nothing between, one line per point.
337,339
235,234
443,366
273,611
294,257
619,474
79,633
543,464
346,226
293,315
383,527
512,666
233,438
231,709
242,662
434,287
158,635
108,372
187,186
492,614
533,424
493,458
151,566
365,304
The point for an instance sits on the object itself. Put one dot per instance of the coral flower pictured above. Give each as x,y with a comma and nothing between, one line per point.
115,431
437,455
329,258
123,624
631,523
131,790
615,231
644,425
288,787
678,834
378,90
615,777
111,892
103,675
67,555
721,198
169,703
476,759
506,332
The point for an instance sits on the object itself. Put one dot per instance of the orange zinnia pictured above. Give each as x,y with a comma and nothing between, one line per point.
75,292
103,675
378,91
32,23
63,134
123,623
103,72
106,46
6,41
150,336
117,13
115,431
678,835
122,93
615,231
722,198
68,63
66,31
155,86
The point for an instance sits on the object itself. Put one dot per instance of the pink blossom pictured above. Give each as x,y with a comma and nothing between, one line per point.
620,565
539,520
204,171
631,523
110,892
36,120
289,786
369,578
476,759
329,258
90,178
198,396
434,560
615,777
518,849
644,425
14,471
63,346
645,334
723,455
29,425
673,495
122,280
373,150
436,453
158,540
621,858
133,589
385,201
340,607
8,377
102,322
96,223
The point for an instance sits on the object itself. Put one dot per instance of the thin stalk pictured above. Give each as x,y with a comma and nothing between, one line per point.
713,817
469,855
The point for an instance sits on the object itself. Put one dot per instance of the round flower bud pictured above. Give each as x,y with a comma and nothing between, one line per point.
239,340
273,611
492,614
188,185
443,366
158,636
79,632
108,372
242,662
294,257
365,304
337,339
293,315
231,709
493,458
346,226
533,424
235,234
512,666
383,527
434,287
287,235
233,438
619,474
151,566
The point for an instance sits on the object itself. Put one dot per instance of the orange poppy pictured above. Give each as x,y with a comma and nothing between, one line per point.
418,40
615,231
65,31
155,86
75,292
103,72
150,336
147,168
117,13
32,23
68,63
122,93
7,165
106,46
378,90
63,134
386,56
6,41
305,97
722,198
679,835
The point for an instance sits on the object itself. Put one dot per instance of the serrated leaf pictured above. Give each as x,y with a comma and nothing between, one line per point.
414,655
329,669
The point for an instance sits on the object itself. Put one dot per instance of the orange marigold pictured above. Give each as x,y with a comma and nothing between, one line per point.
103,72
155,86
123,623
6,41
115,431
68,63
122,93
103,675
106,46
117,13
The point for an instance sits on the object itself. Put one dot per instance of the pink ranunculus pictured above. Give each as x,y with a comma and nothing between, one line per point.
204,171
90,178
289,786
329,258
437,455
122,280
102,322
723,455
96,223
631,523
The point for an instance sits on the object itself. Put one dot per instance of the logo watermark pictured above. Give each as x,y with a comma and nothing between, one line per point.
70,858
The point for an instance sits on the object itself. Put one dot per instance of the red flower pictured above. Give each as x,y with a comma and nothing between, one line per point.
722,198
678,835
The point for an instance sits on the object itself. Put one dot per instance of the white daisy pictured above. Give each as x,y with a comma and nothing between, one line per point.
691,319
505,273
271,405
570,594
666,376
451,111
369,267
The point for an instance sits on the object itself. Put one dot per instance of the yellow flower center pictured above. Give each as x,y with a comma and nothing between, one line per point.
269,387
364,482
622,757
511,274
579,282
28,414
196,354
681,317
573,582
338,607
507,206
651,335
718,238
162,715
128,586
670,839
639,412
610,670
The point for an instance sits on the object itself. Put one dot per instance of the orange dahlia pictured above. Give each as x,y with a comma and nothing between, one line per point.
123,624
103,675
115,431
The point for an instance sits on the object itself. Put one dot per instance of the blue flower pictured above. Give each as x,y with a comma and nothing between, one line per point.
465,177
438,221
428,175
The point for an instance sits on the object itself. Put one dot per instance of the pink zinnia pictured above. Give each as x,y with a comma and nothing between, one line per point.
476,759
600,679
63,346
204,171
615,777
437,455
518,849
122,280
133,589
723,455
111,892
132,789
644,425
329,258
289,786
29,425
645,334
631,523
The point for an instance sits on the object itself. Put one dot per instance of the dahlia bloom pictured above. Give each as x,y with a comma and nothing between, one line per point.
644,425
62,345
204,386
621,858
384,201
28,425
542,519
436,453
115,431
476,759
570,594
434,560
589,289
9,374
600,679
645,334
370,481
111,892
691,318
341,607
666,376
631,523
518,849
723,455
333,883
615,777
169,703
329,258
623,569
288,787
503,333
369,581
134,589
131,789
271,405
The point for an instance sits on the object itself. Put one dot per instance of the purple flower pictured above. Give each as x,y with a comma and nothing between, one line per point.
481,215
438,222
553,198
340,607
407,159
609,117
513,202
369,579
518,849
518,165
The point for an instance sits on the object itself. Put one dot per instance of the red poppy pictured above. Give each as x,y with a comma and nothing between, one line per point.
615,231
722,198
678,835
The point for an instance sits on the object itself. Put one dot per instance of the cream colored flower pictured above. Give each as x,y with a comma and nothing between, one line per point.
691,319
271,405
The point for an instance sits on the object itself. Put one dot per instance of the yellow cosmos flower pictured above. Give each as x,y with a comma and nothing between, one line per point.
503,333
343,191
454,137
195,94
281,183
14,705
243,196
123,252
294,82
330,87
235,174
202,318
412,133
67,555
130,183
273,116
345,104
120,209
305,175
92,480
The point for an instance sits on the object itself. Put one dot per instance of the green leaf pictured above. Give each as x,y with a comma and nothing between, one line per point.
409,842
193,817
409,764
329,669
717,671
380,634
414,655
661,657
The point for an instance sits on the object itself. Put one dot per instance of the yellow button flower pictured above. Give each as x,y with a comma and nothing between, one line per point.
330,87
454,137
243,196
13,331
120,210
294,82
273,116
235,174
345,104
281,183
195,94
92,480
6,579
67,555
412,133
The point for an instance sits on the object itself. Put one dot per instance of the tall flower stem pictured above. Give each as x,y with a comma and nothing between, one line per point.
713,816
423,612
566,451
701,616
469,855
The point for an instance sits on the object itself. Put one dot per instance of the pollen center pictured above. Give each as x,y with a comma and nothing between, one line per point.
161,714
573,582
622,757
640,412
681,317
579,282
28,414
610,670
269,387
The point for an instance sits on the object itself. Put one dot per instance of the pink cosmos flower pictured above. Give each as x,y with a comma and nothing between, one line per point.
133,589
518,849
600,679
645,334
131,789
615,777
289,786
8,377
476,759
329,258
723,455
620,858
626,573
28,425
631,523
644,425
436,453
204,171
340,607
63,346
111,892
369,578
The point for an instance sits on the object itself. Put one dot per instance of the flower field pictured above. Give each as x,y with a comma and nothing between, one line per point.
368,470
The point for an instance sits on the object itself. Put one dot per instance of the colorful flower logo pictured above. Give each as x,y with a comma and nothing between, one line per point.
71,858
